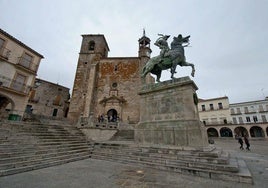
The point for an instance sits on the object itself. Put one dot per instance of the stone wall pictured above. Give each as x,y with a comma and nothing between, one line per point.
46,98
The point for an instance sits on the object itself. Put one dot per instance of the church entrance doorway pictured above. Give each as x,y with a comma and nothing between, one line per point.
112,115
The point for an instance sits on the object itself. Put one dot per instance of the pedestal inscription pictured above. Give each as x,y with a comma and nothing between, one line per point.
169,114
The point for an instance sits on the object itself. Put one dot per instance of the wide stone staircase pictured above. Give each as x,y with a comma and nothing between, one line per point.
123,135
30,146
207,162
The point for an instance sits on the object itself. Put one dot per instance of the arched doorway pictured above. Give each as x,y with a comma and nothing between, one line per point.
6,106
226,132
212,132
256,131
112,115
241,131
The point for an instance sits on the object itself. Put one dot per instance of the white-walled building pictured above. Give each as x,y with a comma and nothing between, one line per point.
214,111
18,67
250,112
222,119
253,114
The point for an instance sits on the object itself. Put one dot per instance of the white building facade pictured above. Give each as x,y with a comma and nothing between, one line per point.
253,114
222,119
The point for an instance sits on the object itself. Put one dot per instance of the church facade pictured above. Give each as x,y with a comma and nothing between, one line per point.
106,88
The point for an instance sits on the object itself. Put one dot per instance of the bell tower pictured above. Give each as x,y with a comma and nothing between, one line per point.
93,49
144,47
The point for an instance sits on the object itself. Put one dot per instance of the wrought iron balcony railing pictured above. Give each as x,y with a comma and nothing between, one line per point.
14,85
28,64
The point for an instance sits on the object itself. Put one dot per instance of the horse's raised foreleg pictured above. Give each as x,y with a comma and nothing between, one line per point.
184,63
193,69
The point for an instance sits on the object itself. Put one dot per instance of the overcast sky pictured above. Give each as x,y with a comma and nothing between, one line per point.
228,37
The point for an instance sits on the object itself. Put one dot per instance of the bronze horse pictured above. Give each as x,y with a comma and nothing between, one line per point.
168,58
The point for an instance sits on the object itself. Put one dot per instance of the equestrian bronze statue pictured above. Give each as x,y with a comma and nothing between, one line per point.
168,58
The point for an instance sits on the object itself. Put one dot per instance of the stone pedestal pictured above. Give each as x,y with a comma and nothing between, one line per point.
169,115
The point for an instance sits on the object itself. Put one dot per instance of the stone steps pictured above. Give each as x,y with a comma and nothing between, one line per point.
34,159
11,171
123,135
212,164
29,146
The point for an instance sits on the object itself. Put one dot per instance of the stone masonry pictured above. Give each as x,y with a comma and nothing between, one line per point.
105,85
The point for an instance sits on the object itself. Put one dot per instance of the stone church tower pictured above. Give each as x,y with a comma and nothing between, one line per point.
105,85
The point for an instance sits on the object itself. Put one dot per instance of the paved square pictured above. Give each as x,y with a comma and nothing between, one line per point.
92,173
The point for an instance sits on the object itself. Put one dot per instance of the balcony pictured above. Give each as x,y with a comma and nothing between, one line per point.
13,85
5,53
27,64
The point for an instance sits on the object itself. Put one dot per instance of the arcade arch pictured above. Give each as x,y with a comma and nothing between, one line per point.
212,132
226,132
241,131
256,131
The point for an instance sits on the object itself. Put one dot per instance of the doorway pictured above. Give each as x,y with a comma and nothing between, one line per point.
112,115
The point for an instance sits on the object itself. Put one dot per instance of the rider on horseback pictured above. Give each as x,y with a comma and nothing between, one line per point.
162,43
168,58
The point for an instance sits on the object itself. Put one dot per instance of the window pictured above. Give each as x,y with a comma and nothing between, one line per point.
32,95
91,45
2,41
255,119
238,110
252,109
57,100
55,111
240,120
234,120
26,60
116,68
246,109
203,107
220,105
19,82
248,119
263,117
29,109
211,106
3,51
232,111
261,108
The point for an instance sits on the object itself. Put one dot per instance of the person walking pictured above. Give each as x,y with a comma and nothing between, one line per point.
247,142
240,141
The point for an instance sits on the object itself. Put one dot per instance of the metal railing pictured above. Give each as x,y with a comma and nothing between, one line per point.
14,85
